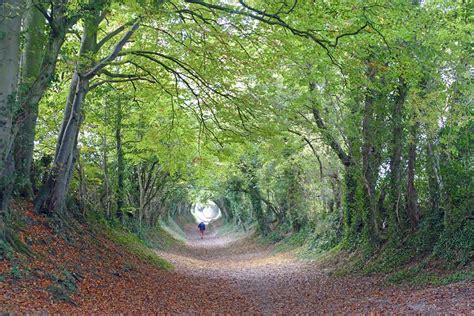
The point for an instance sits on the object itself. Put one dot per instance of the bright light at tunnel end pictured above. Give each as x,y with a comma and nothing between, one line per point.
206,213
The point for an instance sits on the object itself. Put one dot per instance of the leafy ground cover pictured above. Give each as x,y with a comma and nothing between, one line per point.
227,272
107,273
274,280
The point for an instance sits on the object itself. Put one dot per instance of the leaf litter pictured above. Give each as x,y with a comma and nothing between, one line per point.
220,274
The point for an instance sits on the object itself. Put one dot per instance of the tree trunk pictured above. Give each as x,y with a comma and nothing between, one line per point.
82,186
10,22
412,197
120,162
222,205
395,161
105,169
256,200
435,183
351,209
141,200
52,196
350,212
37,81
293,197
32,59
369,163
336,187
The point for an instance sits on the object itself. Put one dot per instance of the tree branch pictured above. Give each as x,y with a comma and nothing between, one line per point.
44,13
312,149
92,72
95,85
349,34
271,19
110,35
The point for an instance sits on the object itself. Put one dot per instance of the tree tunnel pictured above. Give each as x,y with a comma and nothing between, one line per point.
206,213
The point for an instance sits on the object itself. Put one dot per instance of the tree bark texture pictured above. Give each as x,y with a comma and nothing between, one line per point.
120,162
32,58
370,162
52,197
396,158
412,196
10,23
36,81
255,196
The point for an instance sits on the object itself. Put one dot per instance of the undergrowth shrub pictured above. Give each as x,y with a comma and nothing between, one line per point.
456,246
138,247
138,240
324,235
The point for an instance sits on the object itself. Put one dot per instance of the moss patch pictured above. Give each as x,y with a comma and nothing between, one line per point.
138,247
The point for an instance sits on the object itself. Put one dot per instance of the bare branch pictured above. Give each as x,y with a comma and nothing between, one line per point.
92,72
271,19
131,79
345,158
44,13
350,34
310,144
110,35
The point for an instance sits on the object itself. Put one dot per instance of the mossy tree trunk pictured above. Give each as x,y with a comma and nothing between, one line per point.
395,208
10,28
32,60
52,196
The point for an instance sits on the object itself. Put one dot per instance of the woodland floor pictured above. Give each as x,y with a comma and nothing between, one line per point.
220,274
278,283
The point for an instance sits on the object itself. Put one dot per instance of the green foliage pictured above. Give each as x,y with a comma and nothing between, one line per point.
427,245
140,241
172,230
413,276
312,147
324,236
393,256
456,247
463,275
299,239
397,253
313,239
16,272
6,251
63,286
418,276
275,236
138,247
159,238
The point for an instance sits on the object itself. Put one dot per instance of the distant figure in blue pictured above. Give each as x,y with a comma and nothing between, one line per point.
202,228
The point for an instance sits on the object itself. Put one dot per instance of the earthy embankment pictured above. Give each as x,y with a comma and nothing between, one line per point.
218,274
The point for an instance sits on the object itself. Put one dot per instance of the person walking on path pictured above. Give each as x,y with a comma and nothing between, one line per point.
202,228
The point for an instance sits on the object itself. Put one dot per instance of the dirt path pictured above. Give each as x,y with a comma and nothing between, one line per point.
225,274
278,283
